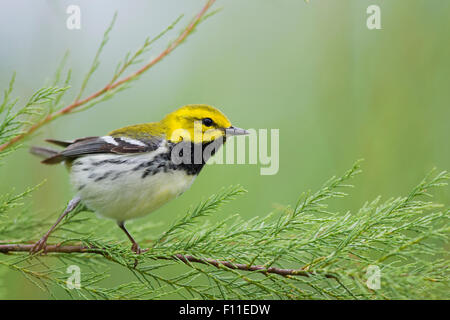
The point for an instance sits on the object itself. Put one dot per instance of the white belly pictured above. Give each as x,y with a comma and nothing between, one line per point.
117,189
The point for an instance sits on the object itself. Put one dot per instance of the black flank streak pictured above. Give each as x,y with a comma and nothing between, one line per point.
110,161
104,176
118,174
142,165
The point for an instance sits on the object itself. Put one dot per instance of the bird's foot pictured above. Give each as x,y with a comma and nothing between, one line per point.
136,249
41,245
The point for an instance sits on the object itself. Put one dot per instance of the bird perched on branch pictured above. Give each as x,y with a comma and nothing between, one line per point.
134,170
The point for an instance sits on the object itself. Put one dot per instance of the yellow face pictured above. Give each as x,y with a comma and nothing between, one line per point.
197,123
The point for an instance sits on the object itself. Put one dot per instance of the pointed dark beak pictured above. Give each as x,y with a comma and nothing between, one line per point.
233,131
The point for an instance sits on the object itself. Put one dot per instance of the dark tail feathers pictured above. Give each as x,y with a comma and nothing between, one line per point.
51,156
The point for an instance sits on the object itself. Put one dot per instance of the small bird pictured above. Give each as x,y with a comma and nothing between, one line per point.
133,171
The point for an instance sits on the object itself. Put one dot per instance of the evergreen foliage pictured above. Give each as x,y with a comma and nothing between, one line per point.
307,251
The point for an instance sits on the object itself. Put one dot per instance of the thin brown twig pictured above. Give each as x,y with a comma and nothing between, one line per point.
110,86
187,259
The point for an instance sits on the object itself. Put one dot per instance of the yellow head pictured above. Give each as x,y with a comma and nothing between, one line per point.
198,123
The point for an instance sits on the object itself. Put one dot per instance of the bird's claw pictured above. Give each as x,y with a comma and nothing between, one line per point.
41,245
136,249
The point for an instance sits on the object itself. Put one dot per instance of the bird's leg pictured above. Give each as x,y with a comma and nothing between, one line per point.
135,247
42,243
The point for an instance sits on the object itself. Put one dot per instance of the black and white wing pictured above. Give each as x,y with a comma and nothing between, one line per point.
105,144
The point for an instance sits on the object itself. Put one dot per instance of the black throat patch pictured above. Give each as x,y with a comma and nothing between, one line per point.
191,157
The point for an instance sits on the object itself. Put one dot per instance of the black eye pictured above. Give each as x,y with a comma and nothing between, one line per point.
207,122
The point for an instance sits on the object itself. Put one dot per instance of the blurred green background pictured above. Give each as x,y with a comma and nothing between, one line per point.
336,91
